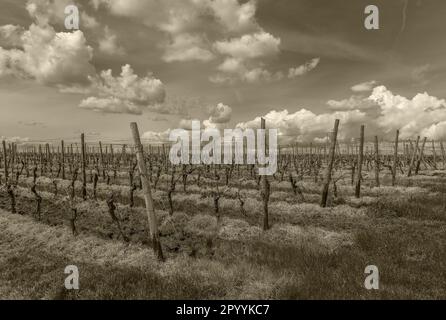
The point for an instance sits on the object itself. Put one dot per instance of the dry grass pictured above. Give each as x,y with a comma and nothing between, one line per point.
309,253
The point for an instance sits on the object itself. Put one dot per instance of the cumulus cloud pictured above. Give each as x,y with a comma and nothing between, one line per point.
303,69
364,86
249,46
174,16
204,30
435,131
11,36
49,57
352,103
387,112
412,116
383,112
261,75
188,23
127,93
219,116
235,16
220,113
45,12
306,126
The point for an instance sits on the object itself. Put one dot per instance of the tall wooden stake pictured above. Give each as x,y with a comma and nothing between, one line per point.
414,156
84,174
360,160
153,223
377,162
265,184
327,179
421,156
63,159
395,157
5,159
443,154
434,154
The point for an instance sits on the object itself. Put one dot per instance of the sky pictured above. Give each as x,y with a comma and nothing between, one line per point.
300,64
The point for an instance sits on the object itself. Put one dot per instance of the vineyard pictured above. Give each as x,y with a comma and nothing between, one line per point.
139,227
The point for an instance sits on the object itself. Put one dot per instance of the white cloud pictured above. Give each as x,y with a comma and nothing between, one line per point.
364,86
235,16
261,75
231,65
203,30
249,46
45,12
352,103
411,116
220,113
303,69
305,125
11,36
129,86
187,22
436,131
127,93
57,59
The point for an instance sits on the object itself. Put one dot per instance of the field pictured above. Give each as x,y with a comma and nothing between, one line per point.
86,208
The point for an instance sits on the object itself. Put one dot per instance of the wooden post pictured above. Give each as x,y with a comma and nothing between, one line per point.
434,154
5,159
421,156
153,224
414,156
327,180
265,183
443,154
63,159
395,157
377,161
101,154
360,160
40,160
84,174
12,153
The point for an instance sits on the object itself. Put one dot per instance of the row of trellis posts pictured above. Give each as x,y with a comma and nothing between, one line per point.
416,156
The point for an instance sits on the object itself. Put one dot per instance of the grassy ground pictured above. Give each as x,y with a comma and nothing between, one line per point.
309,253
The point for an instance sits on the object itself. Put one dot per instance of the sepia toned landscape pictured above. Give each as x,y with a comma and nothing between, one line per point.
91,113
